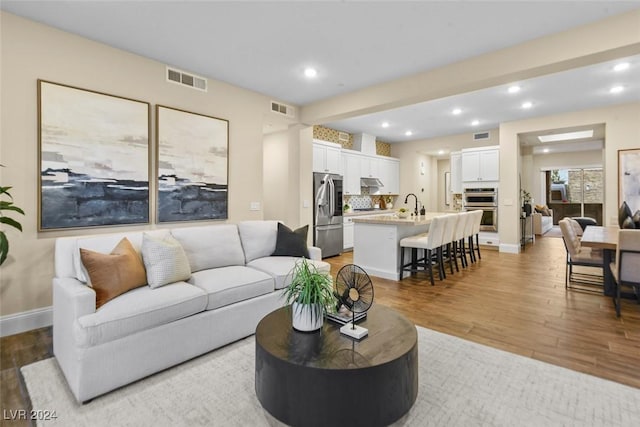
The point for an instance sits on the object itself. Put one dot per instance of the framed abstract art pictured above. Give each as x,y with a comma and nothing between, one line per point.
192,165
93,157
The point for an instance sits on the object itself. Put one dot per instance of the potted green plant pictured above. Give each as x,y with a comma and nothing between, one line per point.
346,208
526,201
7,205
310,293
403,213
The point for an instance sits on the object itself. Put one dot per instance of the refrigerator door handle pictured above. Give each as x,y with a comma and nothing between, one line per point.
332,197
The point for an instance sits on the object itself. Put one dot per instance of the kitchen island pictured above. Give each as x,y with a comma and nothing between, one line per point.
376,246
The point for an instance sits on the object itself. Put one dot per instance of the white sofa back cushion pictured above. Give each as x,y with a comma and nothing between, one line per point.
258,238
210,246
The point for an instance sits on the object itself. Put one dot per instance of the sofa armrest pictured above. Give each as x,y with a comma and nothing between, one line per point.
536,217
315,253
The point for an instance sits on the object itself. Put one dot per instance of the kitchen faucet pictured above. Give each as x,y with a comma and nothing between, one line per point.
406,199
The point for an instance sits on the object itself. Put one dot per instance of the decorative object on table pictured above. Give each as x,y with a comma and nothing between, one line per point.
192,165
629,178
93,156
354,290
526,201
7,205
389,202
382,203
309,293
403,213
343,315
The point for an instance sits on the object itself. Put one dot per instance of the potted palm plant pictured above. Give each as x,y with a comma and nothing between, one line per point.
309,294
7,205
526,202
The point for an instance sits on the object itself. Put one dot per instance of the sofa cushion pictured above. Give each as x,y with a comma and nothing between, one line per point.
115,273
228,285
164,260
210,246
258,238
137,310
279,267
291,242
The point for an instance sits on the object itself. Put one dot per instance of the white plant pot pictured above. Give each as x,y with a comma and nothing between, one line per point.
306,317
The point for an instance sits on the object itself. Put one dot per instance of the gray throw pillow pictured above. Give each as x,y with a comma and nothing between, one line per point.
628,223
291,243
164,260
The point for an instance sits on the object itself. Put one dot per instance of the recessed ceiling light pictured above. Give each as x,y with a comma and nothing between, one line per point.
408,133
475,123
456,111
310,72
566,136
621,66
527,104
546,150
514,89
441,152
385,124
616,89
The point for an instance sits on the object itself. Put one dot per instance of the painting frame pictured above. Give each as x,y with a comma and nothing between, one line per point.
629,178
192,166
94,158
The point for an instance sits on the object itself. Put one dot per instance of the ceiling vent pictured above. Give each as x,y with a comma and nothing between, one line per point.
480,136
343,136
186,79
283,109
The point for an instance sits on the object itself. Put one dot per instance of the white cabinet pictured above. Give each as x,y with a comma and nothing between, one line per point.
351,174
456,172
481,164
389,174
347,233
370,167
327,158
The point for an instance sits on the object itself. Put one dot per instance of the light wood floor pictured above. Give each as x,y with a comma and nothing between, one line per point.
516,303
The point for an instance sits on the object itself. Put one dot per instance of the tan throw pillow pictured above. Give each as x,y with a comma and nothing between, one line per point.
115,273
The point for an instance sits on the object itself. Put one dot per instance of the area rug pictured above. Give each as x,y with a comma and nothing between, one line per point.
460,384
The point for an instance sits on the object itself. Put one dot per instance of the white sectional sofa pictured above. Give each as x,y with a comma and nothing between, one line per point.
542,223
234,283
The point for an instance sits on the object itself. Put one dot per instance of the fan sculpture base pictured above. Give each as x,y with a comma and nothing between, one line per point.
358,332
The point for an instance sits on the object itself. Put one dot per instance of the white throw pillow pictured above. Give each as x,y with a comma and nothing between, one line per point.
164,260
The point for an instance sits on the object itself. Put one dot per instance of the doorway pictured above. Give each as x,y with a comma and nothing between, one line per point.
575,192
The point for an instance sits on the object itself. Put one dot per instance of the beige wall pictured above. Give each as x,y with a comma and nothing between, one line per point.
443,167
32,51
622,131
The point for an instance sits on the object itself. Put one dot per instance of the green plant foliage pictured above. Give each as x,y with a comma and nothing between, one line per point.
310,286
7,205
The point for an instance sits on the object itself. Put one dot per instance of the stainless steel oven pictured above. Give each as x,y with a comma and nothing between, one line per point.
486,200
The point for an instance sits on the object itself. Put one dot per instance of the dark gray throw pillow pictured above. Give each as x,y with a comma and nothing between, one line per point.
291,243
636,218
628,223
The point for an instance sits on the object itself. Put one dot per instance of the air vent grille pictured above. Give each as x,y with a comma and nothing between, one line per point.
283,109
343,137
480,136
186,79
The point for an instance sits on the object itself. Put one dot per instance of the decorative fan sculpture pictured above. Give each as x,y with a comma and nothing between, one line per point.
354,290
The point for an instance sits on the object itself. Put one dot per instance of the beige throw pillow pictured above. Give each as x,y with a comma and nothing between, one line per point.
165,260
115,273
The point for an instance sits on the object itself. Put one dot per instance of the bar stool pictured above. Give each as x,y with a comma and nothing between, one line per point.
477,221
431,244
448,240
458,243
468,234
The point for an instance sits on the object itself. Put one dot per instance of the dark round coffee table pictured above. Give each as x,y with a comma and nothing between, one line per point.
326,378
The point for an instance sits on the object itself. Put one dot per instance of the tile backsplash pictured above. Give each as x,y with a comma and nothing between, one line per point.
365,200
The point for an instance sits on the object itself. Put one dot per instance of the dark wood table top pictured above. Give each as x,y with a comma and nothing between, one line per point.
391,336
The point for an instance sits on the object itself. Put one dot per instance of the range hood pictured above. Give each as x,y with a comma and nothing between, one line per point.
370,182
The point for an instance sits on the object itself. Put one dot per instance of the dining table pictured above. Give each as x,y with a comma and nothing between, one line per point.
605,238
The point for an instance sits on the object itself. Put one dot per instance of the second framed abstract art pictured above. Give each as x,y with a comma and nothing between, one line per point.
192,164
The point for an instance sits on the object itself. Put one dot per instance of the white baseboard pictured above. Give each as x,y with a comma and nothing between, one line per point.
509,248
26,321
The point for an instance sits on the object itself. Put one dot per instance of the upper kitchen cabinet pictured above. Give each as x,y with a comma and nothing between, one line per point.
481,164
351,170
456,172
327,157
389,175
369,166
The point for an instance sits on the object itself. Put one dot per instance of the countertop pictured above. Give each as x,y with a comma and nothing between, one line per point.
373,212
394,220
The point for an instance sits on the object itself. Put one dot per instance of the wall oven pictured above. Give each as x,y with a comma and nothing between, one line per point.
486,200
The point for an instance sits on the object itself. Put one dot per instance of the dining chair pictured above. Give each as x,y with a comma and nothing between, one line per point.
431,244
626,267
578,255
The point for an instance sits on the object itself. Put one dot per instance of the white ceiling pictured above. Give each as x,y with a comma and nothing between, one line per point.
264,46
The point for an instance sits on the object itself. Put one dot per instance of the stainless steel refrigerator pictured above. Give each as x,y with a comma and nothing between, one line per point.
327,218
